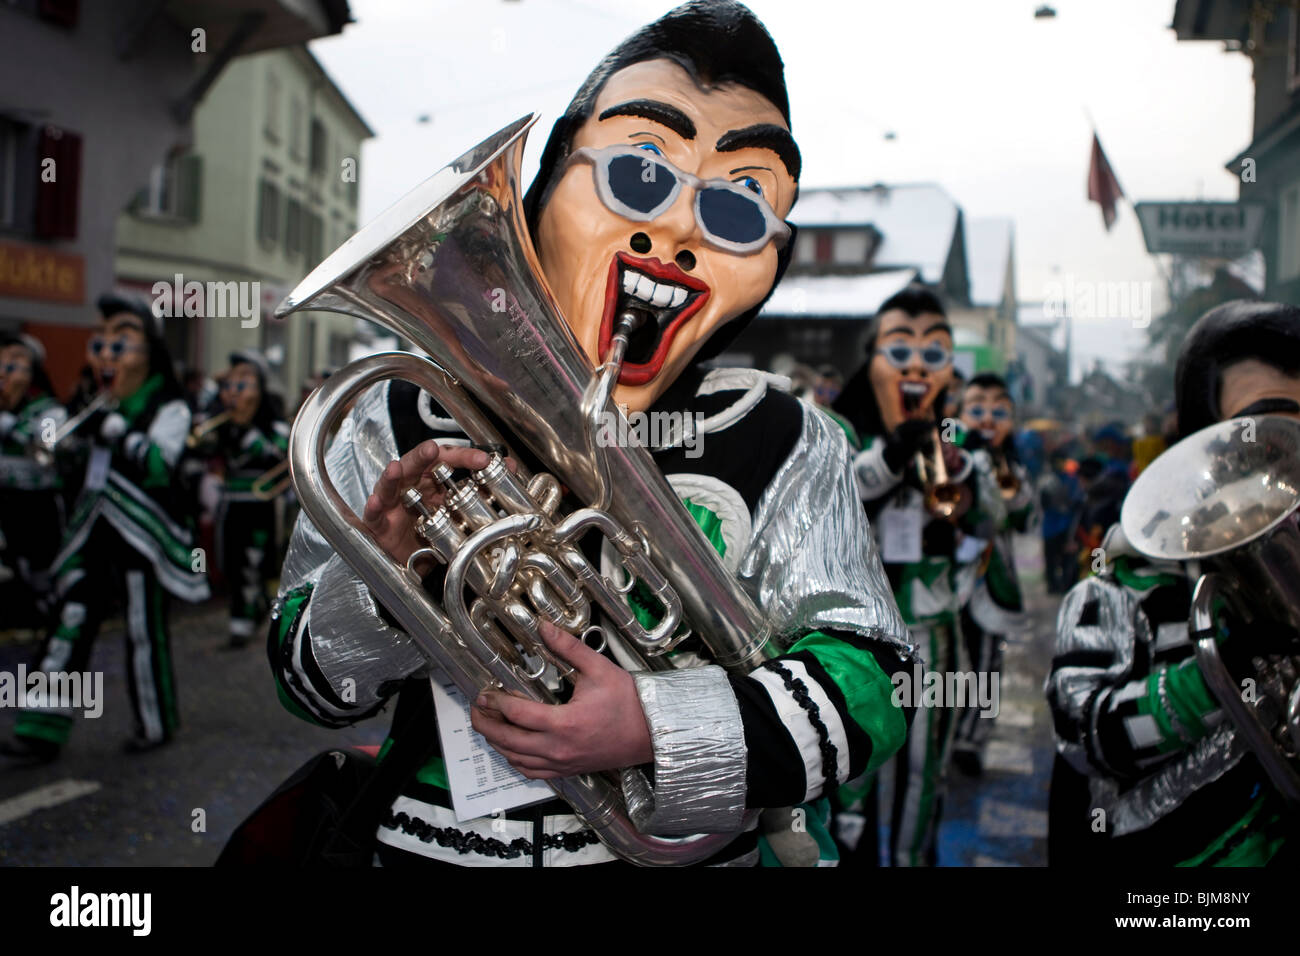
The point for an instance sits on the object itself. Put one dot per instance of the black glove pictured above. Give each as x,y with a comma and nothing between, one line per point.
907,439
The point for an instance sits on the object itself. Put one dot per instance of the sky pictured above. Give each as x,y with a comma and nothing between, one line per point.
981,97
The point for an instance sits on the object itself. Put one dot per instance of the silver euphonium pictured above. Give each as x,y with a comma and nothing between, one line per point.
451,268
1226,501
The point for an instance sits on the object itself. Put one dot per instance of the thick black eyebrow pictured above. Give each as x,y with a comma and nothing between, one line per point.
941,327
1265,406
656,112
764,136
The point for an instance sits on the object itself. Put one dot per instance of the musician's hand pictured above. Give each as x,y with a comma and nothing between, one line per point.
113,427
387,518
602,727
907,439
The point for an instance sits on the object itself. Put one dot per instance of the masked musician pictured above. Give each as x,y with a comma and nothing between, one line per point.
251,444
996,606
127,537
696,99
31,513
1150,769
930,560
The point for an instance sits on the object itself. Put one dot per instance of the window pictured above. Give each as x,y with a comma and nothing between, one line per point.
293,228
850,247
272,127
319,147
314,239
295,127
268,213
10,135
805,248
173,190
1288,240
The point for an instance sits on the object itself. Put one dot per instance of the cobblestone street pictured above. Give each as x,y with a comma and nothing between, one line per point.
235,745
1000,818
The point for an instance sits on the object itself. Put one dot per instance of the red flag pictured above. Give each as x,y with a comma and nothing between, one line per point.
1103,187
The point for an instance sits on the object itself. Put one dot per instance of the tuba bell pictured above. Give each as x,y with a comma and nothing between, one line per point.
452,269
1226,501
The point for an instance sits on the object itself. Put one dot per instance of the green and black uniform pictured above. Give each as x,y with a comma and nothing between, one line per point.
245,522
930,589
129,538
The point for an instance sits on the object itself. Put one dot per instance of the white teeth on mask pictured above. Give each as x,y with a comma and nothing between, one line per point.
659,294
915,388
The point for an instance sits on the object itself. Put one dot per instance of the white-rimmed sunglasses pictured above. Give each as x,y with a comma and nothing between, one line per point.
640,185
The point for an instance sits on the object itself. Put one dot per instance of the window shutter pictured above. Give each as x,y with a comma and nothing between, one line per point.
189,182
56,202
823,246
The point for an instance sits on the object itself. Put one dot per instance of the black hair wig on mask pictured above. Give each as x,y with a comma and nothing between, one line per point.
270,408
989,380
1230,333
716,42
160,359
41,384
857,400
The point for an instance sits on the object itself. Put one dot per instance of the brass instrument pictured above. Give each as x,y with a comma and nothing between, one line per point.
451,268
1008,483
943,498
272,483
1227,499
43,451
206,427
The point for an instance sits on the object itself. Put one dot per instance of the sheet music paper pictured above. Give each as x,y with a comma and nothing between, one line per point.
482,782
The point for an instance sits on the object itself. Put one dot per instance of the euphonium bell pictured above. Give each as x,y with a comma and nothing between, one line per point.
451,268
1226,501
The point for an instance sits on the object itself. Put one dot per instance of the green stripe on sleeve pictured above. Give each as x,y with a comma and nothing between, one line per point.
867,691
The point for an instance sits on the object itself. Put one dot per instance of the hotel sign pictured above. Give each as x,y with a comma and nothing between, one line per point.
32,272
1216,229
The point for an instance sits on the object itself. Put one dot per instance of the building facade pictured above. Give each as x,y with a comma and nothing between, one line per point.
96,94
269,189
856,246
1268,31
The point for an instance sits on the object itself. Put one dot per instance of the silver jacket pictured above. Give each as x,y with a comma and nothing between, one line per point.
1076,695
